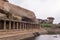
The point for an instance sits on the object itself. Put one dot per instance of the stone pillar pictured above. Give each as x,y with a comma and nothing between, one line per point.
4,25
25,26
9,25
35,26
14,25
30,26
17,25
20,26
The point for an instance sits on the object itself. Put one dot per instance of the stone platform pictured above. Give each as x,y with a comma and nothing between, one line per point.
18,35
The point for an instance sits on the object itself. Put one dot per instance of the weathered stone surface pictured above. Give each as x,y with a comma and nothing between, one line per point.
2,15
16,11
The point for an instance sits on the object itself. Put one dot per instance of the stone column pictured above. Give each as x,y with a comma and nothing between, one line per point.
9,25
35,26
30,26
25,26
22,26
14,25
17,25
4,25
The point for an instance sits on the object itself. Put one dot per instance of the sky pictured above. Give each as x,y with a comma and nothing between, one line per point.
41,8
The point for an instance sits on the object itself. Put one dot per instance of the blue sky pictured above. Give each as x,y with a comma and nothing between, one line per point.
41,8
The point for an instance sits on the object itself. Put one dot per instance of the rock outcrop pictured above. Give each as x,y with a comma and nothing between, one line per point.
15,12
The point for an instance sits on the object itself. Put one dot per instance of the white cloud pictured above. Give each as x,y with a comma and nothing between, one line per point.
42,8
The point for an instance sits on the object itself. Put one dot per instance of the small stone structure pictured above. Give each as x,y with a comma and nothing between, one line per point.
49,20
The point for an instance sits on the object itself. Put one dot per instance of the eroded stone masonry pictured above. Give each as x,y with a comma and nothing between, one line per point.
15,17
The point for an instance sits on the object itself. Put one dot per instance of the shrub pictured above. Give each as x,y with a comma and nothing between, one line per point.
46,25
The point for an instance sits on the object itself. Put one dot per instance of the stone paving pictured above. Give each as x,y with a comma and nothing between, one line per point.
18,34
12,32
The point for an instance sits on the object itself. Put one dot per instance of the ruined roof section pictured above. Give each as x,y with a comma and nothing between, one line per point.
19,11
23,10
16,10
